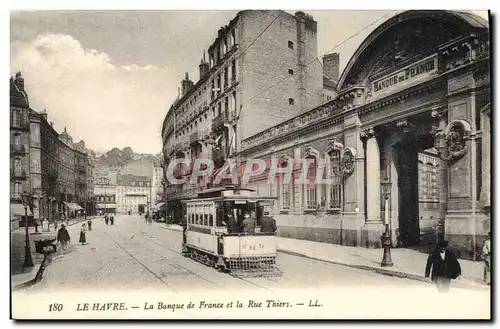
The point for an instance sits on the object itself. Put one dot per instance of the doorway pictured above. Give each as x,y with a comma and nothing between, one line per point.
417,178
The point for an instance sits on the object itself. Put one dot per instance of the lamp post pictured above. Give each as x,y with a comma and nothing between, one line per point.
442,150
386,237
28,261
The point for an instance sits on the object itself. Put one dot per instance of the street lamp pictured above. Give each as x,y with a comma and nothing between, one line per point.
28,261
386,237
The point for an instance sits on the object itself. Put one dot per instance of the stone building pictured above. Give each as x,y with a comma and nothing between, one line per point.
157,183
104,196
411,109
81,166
68,180
44,164
416,90
232,100
19,148
133,193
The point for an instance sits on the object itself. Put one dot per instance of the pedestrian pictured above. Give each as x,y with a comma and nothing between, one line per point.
106,219
267,223
83,238
63,237
112,219
487,259
232,223
56,223
248,224
445,267
89,222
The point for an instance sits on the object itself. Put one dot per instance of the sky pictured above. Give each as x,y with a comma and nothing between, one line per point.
109,77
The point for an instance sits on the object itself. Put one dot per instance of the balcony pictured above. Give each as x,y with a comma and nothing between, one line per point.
22,125
15,196
18,174
18,150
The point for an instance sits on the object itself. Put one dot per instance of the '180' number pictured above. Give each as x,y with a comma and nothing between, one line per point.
55,307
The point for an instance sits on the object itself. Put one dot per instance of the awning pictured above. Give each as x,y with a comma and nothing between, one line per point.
17,209
73,206
161,206
106,205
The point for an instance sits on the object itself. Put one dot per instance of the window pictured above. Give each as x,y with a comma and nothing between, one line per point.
291,101
233,71
290,44
311,184
336,186
290,71
226,77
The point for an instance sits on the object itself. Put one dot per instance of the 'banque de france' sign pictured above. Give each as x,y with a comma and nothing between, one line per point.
402,77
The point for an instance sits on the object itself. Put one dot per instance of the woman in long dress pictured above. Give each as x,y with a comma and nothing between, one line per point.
83,238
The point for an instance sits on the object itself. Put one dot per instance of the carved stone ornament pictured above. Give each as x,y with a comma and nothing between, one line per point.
456,134
348,158
367,133
334,145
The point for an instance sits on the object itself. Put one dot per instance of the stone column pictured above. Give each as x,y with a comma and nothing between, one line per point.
372,176
354,193
486,159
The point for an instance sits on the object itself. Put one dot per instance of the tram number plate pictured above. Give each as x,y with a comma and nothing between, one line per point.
252,246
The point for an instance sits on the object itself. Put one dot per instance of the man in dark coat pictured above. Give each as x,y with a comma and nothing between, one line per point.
249,224
63,237
445,267
232,223
267,223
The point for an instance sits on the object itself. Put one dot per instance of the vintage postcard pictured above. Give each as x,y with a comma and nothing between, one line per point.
252,164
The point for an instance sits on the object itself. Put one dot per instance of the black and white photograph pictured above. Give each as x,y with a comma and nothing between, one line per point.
250,164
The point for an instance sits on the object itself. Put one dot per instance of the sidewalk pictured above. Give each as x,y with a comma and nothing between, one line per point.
408,263
19,274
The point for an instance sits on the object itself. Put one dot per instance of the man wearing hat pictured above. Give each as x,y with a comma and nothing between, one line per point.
267,223
63,237
445,267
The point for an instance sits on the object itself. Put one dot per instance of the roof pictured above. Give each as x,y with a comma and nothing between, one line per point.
129,179
18,96
466,21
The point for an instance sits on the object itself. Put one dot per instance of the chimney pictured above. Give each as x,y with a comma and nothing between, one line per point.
186,85
44,114
19,81
331,66
204,67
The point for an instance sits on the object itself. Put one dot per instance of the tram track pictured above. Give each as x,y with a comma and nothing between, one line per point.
141,263
179,253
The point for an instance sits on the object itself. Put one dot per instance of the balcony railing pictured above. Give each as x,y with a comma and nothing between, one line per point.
18,174
22,124
15,196
17,149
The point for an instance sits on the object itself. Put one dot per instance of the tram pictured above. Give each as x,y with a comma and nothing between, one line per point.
206,238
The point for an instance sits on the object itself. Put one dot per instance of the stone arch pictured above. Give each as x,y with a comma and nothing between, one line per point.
398,41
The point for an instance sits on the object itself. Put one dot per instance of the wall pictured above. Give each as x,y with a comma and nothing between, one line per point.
266,63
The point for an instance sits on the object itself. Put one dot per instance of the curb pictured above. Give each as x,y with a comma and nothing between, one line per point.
382,271
38,276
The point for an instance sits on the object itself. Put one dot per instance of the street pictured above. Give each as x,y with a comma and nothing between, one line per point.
134,254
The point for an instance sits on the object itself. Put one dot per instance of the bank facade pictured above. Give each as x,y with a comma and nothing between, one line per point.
417,88
419,82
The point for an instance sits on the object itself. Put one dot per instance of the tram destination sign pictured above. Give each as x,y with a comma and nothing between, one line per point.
415,71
